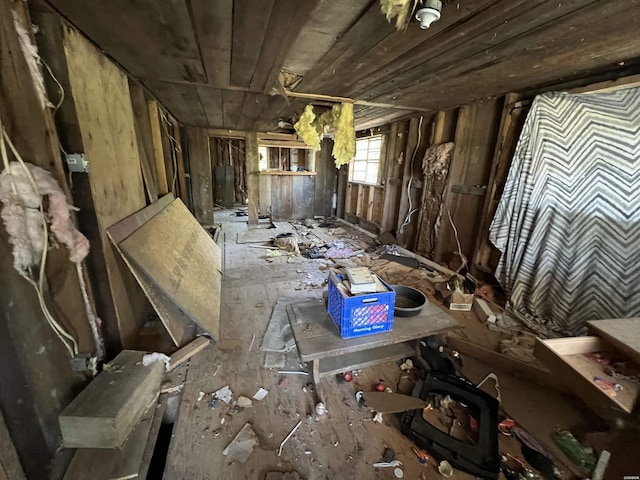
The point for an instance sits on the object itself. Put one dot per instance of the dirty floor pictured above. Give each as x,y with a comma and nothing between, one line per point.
342,444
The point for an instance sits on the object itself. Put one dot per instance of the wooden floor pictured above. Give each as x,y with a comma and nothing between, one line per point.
342,444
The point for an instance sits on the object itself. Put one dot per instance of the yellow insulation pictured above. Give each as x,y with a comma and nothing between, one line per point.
324,121
306,129
401,10
344,145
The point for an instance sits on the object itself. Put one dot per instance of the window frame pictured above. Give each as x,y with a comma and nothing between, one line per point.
378,162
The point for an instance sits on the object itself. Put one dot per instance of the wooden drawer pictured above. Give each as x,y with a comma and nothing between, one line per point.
565,357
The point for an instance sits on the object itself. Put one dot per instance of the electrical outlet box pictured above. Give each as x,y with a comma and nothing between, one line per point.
77,162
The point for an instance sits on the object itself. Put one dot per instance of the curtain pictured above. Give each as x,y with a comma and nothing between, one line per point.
567,223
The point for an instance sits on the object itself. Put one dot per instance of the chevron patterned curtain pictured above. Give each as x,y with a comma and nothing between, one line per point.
567,225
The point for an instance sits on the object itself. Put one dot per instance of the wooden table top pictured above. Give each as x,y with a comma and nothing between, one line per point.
317,337
622,333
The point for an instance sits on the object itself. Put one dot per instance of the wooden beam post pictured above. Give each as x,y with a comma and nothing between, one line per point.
359,205
253,175
475,140
201,175
145,142
510,126
158,152
370,201
182,181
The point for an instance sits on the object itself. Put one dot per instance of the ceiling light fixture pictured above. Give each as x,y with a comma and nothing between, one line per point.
428,12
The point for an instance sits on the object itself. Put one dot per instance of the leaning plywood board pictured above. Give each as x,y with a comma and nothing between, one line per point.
114,464
174,319
183,261
102,101
106,412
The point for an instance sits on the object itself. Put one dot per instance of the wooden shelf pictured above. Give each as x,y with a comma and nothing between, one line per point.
366,358
282,172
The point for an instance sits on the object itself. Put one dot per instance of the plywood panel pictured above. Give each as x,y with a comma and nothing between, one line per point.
183,261
106,120
174,319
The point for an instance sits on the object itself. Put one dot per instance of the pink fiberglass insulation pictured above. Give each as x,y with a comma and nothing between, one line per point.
22,219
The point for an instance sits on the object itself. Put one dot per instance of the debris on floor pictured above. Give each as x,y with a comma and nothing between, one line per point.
225,394
286,439
260,394
244,402
241,447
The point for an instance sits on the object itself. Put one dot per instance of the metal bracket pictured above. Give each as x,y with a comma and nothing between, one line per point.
77,162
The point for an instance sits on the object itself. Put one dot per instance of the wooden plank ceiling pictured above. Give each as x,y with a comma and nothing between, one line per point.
216,62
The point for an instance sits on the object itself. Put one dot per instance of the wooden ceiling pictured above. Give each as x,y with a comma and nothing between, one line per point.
216,62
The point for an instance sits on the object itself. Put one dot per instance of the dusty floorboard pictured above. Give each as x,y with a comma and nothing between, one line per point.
342,444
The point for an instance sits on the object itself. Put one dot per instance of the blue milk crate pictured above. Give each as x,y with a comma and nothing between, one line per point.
363,314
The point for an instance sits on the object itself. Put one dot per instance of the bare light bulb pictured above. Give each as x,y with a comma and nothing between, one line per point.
428,13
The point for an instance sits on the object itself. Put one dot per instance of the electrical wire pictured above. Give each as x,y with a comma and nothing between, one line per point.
455,232
176,148
59,104
411,211
68,341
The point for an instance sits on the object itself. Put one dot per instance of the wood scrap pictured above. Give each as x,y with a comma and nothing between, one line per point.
189,350
383,402
483,311
242,445
105,413
115,464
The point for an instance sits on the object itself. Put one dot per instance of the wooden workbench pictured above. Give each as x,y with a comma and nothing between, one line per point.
318,340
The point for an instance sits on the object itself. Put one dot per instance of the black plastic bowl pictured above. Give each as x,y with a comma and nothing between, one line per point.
409,301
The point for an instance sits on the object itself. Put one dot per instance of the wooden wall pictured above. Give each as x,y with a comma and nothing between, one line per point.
229,162
416,208
298,195
135,154
288,195
35,370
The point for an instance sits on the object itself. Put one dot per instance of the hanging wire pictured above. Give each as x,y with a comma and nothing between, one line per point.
412,210
68,341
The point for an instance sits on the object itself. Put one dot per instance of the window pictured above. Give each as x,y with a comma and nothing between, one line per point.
262,151
364,167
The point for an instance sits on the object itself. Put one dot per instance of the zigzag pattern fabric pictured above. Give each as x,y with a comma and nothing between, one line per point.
568,223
